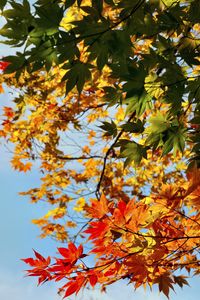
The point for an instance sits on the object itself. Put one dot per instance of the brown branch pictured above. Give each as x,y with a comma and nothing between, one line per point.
91,107
81,229
168,238
68,158
180,254
106,157
134,9
98,34
174,252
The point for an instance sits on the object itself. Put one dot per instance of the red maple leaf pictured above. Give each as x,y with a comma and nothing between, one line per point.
70,254
4,65
40,265
75,284
96,230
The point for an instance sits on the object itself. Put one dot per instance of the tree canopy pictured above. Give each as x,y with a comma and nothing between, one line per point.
106,105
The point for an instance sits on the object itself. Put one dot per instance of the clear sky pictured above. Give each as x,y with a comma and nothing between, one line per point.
19,236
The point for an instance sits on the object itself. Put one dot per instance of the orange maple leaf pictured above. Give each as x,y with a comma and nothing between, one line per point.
98,209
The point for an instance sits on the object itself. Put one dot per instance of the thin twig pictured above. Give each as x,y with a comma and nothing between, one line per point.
78,157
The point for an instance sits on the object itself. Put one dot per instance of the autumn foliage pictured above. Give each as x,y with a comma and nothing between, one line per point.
3,65
107,107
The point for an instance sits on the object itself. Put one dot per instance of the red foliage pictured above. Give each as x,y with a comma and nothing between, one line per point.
4,65
40,265
72,254
122,248
62,268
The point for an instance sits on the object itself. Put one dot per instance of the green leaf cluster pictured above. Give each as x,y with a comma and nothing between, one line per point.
162,73
132,152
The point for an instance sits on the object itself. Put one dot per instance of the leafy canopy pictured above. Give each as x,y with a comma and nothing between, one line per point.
108,104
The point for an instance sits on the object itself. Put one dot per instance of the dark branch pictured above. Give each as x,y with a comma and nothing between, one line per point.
106,157
78,157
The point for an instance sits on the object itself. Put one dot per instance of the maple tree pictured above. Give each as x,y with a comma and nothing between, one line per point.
108,106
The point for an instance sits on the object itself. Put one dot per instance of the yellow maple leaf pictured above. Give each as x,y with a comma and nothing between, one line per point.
56,213
79,204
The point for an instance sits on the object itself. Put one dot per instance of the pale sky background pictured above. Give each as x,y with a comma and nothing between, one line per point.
19,236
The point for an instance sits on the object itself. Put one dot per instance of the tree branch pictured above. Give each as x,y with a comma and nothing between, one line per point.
78,157
106,157
98,34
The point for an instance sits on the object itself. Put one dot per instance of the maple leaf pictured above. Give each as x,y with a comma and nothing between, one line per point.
8,112
98,209
4,65
39,261
96,230
27,167
79,204
137,266
1,89
165,282
60,270
193,175
93,279
74,285
180,280
71,254
119,217
40,265
20,166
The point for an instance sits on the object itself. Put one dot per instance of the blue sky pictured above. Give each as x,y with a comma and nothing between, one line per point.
19,236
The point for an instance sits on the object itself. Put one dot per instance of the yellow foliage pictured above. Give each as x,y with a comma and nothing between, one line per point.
80,203
56,213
